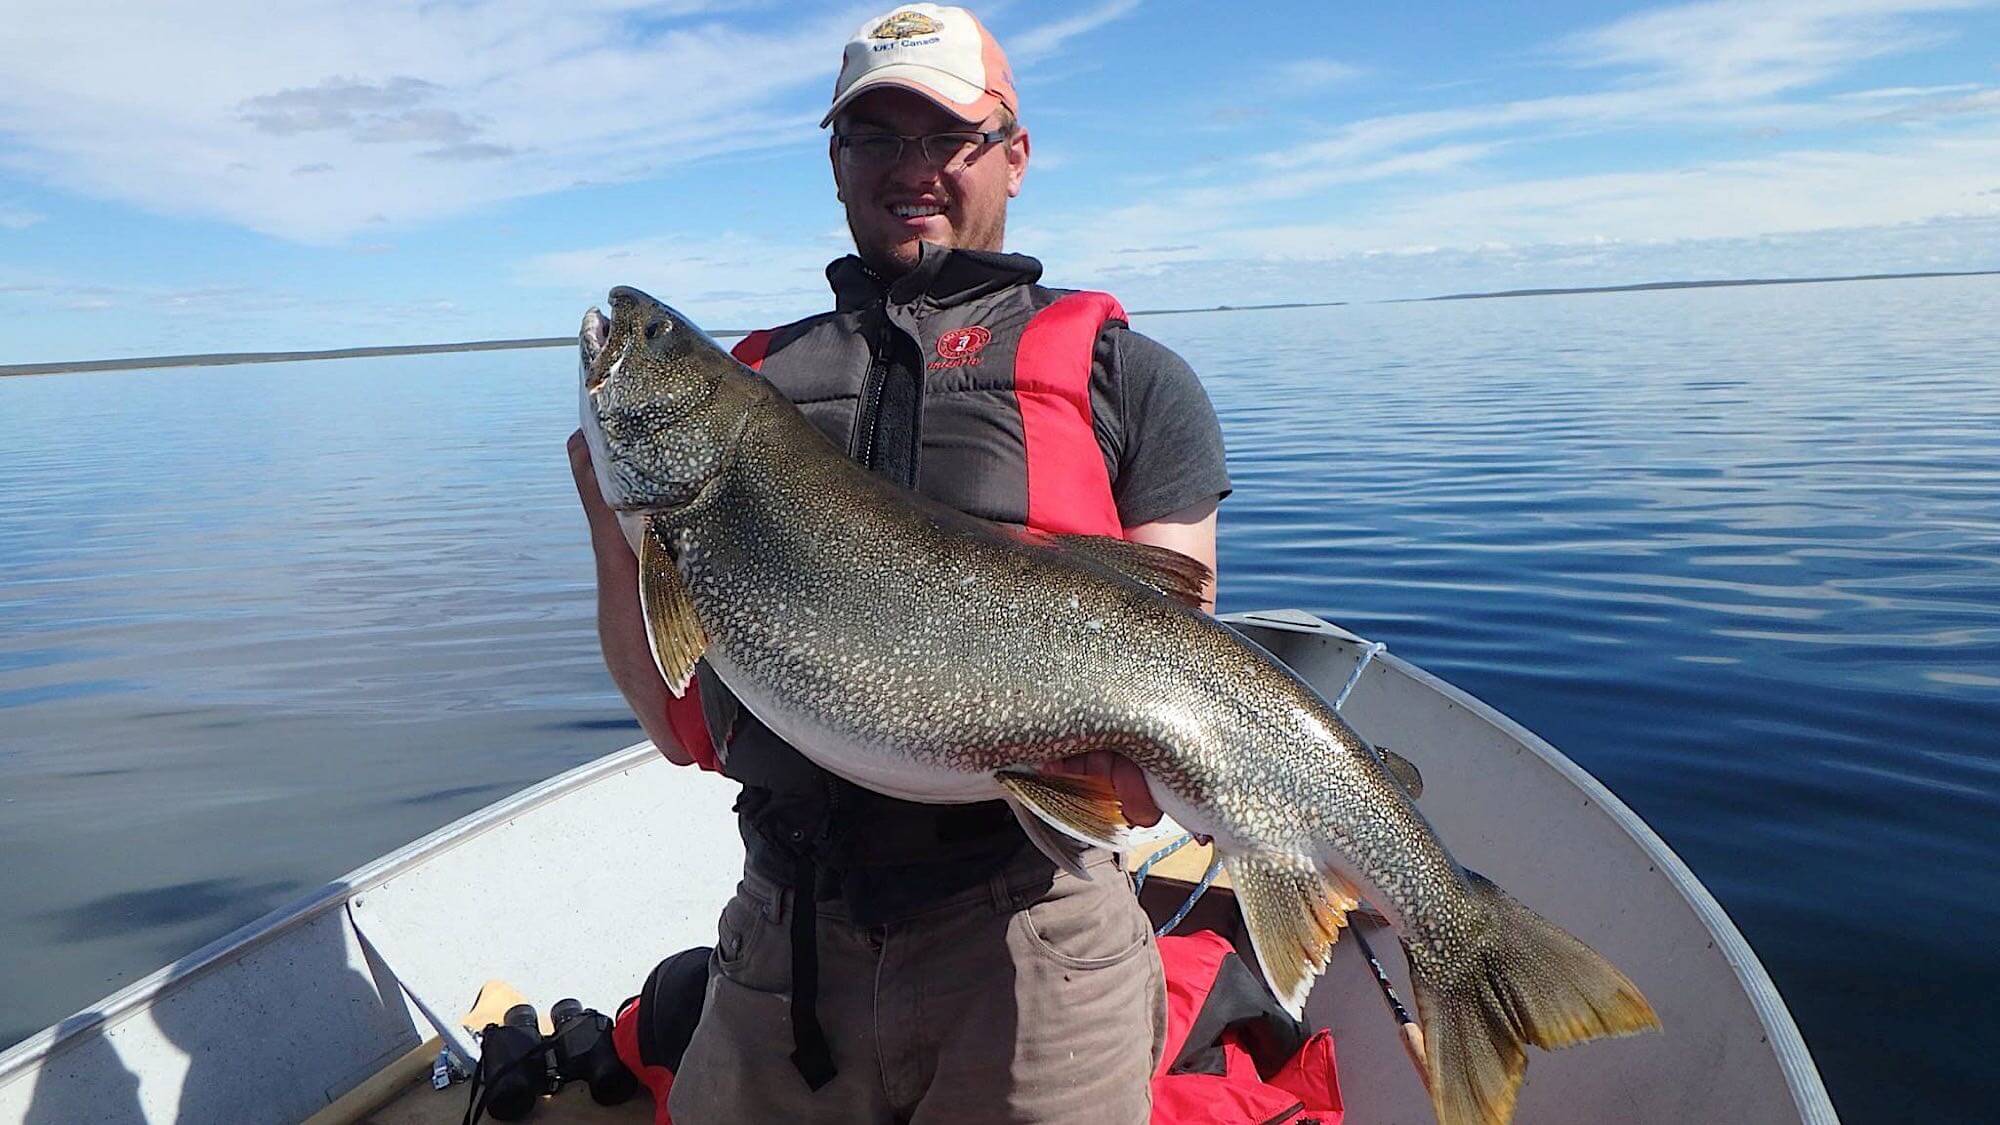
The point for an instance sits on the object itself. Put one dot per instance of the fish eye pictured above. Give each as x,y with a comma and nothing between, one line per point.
653,329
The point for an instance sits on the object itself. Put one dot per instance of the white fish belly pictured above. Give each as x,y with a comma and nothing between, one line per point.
871,767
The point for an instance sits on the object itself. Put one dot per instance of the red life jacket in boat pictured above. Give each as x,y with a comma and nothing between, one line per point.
1233,1056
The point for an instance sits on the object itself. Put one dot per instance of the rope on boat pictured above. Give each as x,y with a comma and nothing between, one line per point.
1360,666
1200,889
1139,876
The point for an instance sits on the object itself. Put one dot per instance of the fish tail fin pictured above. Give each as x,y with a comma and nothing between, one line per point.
1529,982
1294,913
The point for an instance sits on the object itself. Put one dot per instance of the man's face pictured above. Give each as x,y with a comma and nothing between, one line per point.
893,207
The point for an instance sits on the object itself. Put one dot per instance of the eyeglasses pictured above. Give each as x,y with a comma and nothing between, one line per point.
948,151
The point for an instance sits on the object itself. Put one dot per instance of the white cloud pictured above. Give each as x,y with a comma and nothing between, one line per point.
1297,75
311,124
18,218
733,280
1754,48
1790,192
1739,66
1206,278
315,121
1727,63
1900,93
1037,43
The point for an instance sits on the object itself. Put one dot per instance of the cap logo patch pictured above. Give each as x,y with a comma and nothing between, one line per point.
960,347
906,25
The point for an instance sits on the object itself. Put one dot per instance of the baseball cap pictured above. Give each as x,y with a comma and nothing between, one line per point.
943,53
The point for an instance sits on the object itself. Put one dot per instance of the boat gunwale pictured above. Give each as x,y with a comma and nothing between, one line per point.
23,1057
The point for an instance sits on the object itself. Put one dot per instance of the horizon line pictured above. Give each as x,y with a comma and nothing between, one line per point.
223,359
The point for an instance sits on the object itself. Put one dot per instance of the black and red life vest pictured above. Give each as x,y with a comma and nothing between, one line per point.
1233,1056
1000,423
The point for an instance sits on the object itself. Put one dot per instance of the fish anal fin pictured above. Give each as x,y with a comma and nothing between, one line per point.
1294,913
1528,982
672,631
1084,809
1165,570
1403,770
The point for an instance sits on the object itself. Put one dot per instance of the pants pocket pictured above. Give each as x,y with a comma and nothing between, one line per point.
1082,924
750,949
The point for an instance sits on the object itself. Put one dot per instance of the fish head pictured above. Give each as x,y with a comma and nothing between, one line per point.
658,425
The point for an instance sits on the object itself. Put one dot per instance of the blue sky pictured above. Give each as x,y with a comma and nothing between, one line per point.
220,177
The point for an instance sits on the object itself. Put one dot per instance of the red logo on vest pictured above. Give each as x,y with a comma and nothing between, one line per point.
960,347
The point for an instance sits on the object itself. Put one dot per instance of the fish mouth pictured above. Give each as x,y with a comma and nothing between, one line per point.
593,354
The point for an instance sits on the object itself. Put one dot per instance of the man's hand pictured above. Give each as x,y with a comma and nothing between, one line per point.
621,627
1127,779
603,521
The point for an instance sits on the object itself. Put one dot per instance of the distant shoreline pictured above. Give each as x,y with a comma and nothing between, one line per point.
223,359
1650,285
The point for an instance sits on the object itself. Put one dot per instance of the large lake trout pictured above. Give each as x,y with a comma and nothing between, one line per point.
935,657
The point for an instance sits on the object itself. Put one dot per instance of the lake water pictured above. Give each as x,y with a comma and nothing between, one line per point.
1736,551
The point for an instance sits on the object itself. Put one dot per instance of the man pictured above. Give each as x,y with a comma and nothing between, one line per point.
886,961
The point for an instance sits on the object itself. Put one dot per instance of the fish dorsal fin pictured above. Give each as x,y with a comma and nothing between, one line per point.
1294,913
1163,569
672,631
1403,770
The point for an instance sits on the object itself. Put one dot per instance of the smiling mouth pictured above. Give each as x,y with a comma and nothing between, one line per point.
915,210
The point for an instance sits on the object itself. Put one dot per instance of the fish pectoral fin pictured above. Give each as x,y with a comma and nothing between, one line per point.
1167,571
1084,809
1403,770
672,632
1294,913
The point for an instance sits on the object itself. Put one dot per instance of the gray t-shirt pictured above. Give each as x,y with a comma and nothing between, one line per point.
1157,427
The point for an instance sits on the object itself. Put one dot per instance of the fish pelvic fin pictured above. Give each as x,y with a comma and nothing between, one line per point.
1294,912
1166,571
1084,809
1063,850
672,631
1528,981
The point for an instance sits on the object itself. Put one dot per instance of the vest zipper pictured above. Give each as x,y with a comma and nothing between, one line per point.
871,392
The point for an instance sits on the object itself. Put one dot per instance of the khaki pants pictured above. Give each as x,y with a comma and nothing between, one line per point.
1024,1000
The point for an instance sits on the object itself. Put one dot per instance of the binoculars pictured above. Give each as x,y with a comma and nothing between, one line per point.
517,1064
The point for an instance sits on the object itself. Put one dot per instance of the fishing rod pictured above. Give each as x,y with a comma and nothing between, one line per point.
1413,1035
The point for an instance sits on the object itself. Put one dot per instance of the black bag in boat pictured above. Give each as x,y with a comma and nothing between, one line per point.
653,1028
